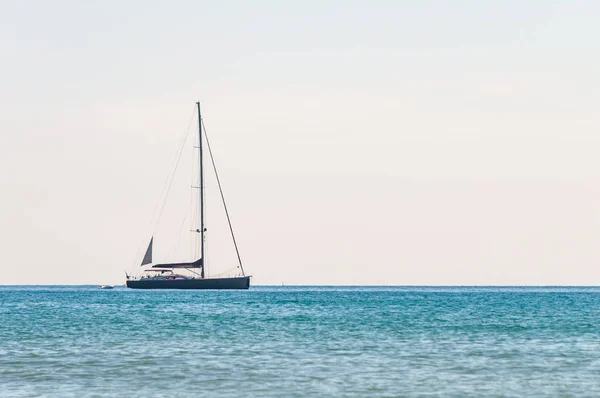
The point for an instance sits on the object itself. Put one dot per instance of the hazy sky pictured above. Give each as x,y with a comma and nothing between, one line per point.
371,142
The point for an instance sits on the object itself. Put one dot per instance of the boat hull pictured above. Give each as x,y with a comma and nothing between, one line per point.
242,282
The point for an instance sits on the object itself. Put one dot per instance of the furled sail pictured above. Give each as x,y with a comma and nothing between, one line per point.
195,264
148,256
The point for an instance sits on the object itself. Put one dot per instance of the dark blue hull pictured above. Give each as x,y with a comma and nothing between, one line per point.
242,282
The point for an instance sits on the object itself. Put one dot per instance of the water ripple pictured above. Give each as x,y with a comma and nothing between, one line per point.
298,342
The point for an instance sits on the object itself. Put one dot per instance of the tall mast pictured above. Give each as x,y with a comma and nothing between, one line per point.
201,193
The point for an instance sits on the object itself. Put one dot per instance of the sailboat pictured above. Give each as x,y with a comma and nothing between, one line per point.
190,275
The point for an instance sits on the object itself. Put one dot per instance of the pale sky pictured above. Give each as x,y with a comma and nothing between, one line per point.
359,142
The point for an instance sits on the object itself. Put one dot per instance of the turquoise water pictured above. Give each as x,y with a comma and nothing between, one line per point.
300,341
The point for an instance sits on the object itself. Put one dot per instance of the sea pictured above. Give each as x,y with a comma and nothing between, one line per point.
80,341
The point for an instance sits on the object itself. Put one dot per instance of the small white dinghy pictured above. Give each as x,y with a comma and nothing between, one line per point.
107,286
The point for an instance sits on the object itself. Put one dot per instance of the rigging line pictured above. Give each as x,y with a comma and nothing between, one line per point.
227,273
204,216
192,209
178,240
205,203
172,175
166,189
212,159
